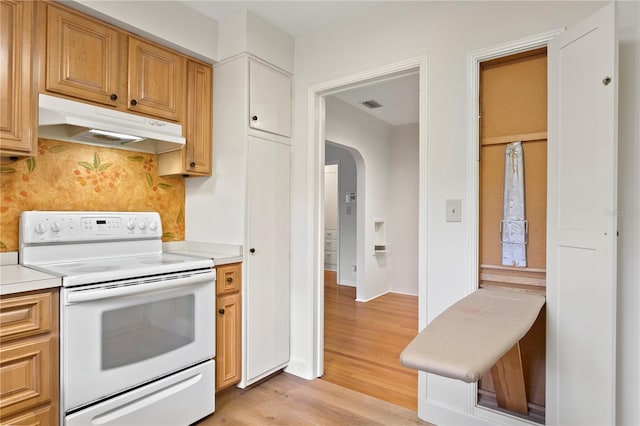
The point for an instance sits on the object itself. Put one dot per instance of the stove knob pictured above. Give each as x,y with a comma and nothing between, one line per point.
131,225
40,228
153,226
56,227
142,226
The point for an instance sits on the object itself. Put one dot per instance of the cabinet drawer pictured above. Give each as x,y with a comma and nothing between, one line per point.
26,315
331,234
25,375
331,245
330,257
228,278
43,416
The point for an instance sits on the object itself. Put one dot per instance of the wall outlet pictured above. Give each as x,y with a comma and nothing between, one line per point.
454,210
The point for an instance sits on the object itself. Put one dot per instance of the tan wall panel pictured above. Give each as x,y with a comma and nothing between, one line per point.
513,97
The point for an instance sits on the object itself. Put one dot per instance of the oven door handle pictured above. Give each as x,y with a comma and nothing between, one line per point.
139,287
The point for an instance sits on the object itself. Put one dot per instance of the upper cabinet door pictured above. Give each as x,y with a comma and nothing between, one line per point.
581,249
17,105
156,80
199,118
269,99
82,57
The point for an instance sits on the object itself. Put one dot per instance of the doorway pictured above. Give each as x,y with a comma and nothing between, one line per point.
367,255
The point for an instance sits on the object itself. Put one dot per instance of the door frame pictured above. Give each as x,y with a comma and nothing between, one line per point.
316,135
474,59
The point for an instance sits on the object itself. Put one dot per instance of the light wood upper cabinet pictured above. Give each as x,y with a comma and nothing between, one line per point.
156,80
87,59
195,159
82,57
17,98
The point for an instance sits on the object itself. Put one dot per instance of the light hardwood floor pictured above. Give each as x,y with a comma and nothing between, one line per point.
363,341
289,400
364,383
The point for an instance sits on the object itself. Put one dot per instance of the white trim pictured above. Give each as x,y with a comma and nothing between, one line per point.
315,160
472,220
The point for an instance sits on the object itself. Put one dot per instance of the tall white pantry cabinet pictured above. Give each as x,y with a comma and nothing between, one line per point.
252,107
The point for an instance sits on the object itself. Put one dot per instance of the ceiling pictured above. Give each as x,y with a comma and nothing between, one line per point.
398,96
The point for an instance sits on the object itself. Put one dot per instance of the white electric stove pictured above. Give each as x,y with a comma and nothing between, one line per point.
137,325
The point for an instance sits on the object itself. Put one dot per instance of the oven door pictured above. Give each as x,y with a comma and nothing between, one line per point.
120,335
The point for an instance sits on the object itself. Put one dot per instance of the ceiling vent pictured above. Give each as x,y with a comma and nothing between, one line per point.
371,104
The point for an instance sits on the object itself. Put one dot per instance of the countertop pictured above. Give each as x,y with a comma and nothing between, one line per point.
16,278
221,254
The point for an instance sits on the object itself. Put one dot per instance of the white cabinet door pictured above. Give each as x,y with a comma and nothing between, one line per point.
266,290
269,99
581,252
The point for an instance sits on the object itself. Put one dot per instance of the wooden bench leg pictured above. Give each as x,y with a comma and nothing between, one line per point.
508,380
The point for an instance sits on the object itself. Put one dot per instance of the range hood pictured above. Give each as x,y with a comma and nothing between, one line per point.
72,121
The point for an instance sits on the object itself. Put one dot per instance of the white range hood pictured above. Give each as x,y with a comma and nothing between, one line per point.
72,121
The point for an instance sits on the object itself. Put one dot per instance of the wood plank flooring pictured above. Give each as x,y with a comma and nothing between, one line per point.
289,400
363,384
363,341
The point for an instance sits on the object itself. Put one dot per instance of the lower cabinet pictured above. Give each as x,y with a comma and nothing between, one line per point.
228,325
29,358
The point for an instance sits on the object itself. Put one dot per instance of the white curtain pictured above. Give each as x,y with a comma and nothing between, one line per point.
514,226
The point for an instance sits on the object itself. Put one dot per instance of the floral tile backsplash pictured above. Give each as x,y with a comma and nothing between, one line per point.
69,176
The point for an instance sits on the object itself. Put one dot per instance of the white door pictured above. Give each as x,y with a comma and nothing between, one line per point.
269,99
581,275
266,290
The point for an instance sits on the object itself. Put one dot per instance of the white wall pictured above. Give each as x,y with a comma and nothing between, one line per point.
446,32
348,178
628,386
247,32
353,128
402,231
167,22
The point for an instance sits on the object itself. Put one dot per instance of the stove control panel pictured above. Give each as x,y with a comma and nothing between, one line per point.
57,226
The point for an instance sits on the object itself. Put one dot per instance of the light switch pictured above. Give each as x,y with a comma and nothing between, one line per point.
454,210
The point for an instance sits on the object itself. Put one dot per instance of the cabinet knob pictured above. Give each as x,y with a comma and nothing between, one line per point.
134,102
221,311
252,250
229,279
114,97
192,164
254,118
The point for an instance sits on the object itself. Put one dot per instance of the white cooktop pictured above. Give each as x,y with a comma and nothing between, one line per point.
119,268
96,247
